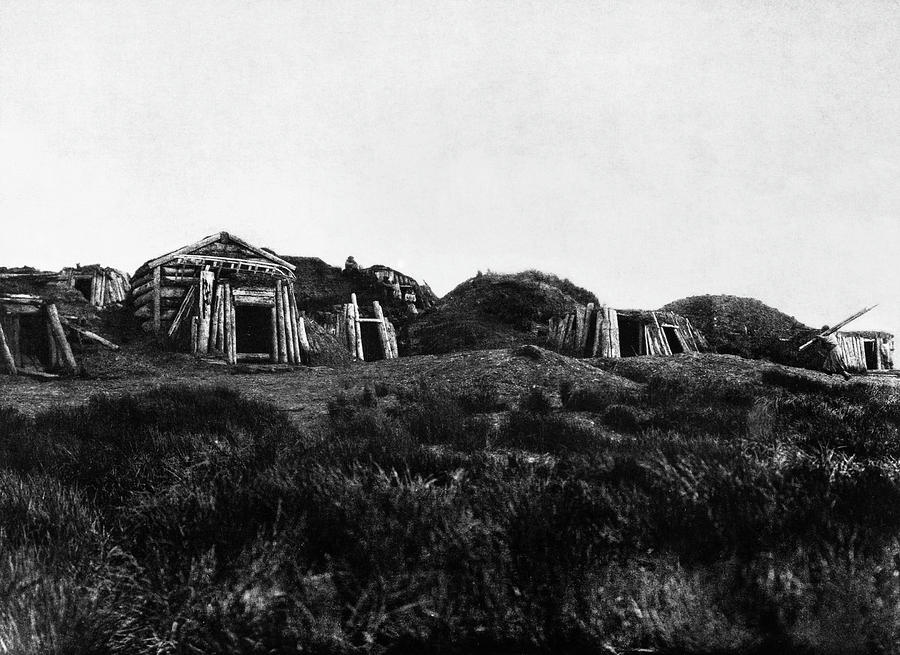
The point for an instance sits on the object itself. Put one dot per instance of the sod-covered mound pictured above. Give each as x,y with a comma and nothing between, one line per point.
743,326
495,310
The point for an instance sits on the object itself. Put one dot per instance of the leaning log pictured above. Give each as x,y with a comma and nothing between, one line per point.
357,328
9,364
60,338
87,334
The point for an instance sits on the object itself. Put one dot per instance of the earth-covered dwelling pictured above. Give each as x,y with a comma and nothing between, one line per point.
606,332
222,297
45,321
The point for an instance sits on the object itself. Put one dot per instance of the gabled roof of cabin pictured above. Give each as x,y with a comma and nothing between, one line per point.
206,242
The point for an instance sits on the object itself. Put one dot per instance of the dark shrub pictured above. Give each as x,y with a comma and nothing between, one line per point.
536,400
623,417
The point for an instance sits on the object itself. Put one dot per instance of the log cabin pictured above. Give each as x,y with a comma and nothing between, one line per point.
606,332
225,298
867,350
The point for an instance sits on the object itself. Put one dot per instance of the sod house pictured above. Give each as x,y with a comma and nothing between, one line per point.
39,312
222,297
605,332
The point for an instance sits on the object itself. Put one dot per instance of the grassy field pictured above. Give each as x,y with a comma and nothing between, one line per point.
497,501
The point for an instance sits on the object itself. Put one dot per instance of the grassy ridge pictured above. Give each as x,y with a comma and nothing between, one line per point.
686,516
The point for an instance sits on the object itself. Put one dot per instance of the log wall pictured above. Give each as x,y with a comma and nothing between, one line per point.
594,332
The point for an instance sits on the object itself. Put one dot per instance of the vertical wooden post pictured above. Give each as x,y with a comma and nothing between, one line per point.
382,330
15,339
357,328
273,349
220,318
279,308
232,327
227,325
289,332
302,337
204,310
60,337
9,362
157,275
615,345
52,350
214,319
586,330
195,335
349,330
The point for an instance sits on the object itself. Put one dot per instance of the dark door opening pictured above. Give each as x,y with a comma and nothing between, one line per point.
673,340
84,285
34,342
871,356
592,328
372,348
253,329
629,337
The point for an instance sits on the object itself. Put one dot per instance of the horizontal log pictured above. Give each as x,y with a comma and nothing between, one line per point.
164,292
19,309
147,311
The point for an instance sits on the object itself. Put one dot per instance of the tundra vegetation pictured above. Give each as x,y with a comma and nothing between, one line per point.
682,515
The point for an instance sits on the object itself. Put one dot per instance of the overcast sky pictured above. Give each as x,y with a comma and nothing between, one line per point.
645,150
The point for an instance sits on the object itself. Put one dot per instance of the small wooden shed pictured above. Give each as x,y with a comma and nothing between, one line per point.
368,338
222,296
867,350
605,332
101,286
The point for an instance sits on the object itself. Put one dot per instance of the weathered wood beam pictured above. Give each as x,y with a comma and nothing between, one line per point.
357,328
61,341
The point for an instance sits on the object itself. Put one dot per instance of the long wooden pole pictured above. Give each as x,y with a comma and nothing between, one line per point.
6,355
839,325
60,336
349,330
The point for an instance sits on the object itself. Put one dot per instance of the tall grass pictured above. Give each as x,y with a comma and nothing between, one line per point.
729,518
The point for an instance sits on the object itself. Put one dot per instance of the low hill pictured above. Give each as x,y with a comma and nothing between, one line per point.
742,326
495,311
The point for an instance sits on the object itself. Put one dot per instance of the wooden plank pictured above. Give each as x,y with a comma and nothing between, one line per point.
62,343
157,308
204,310
18,310
6,356
14,336
615,340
